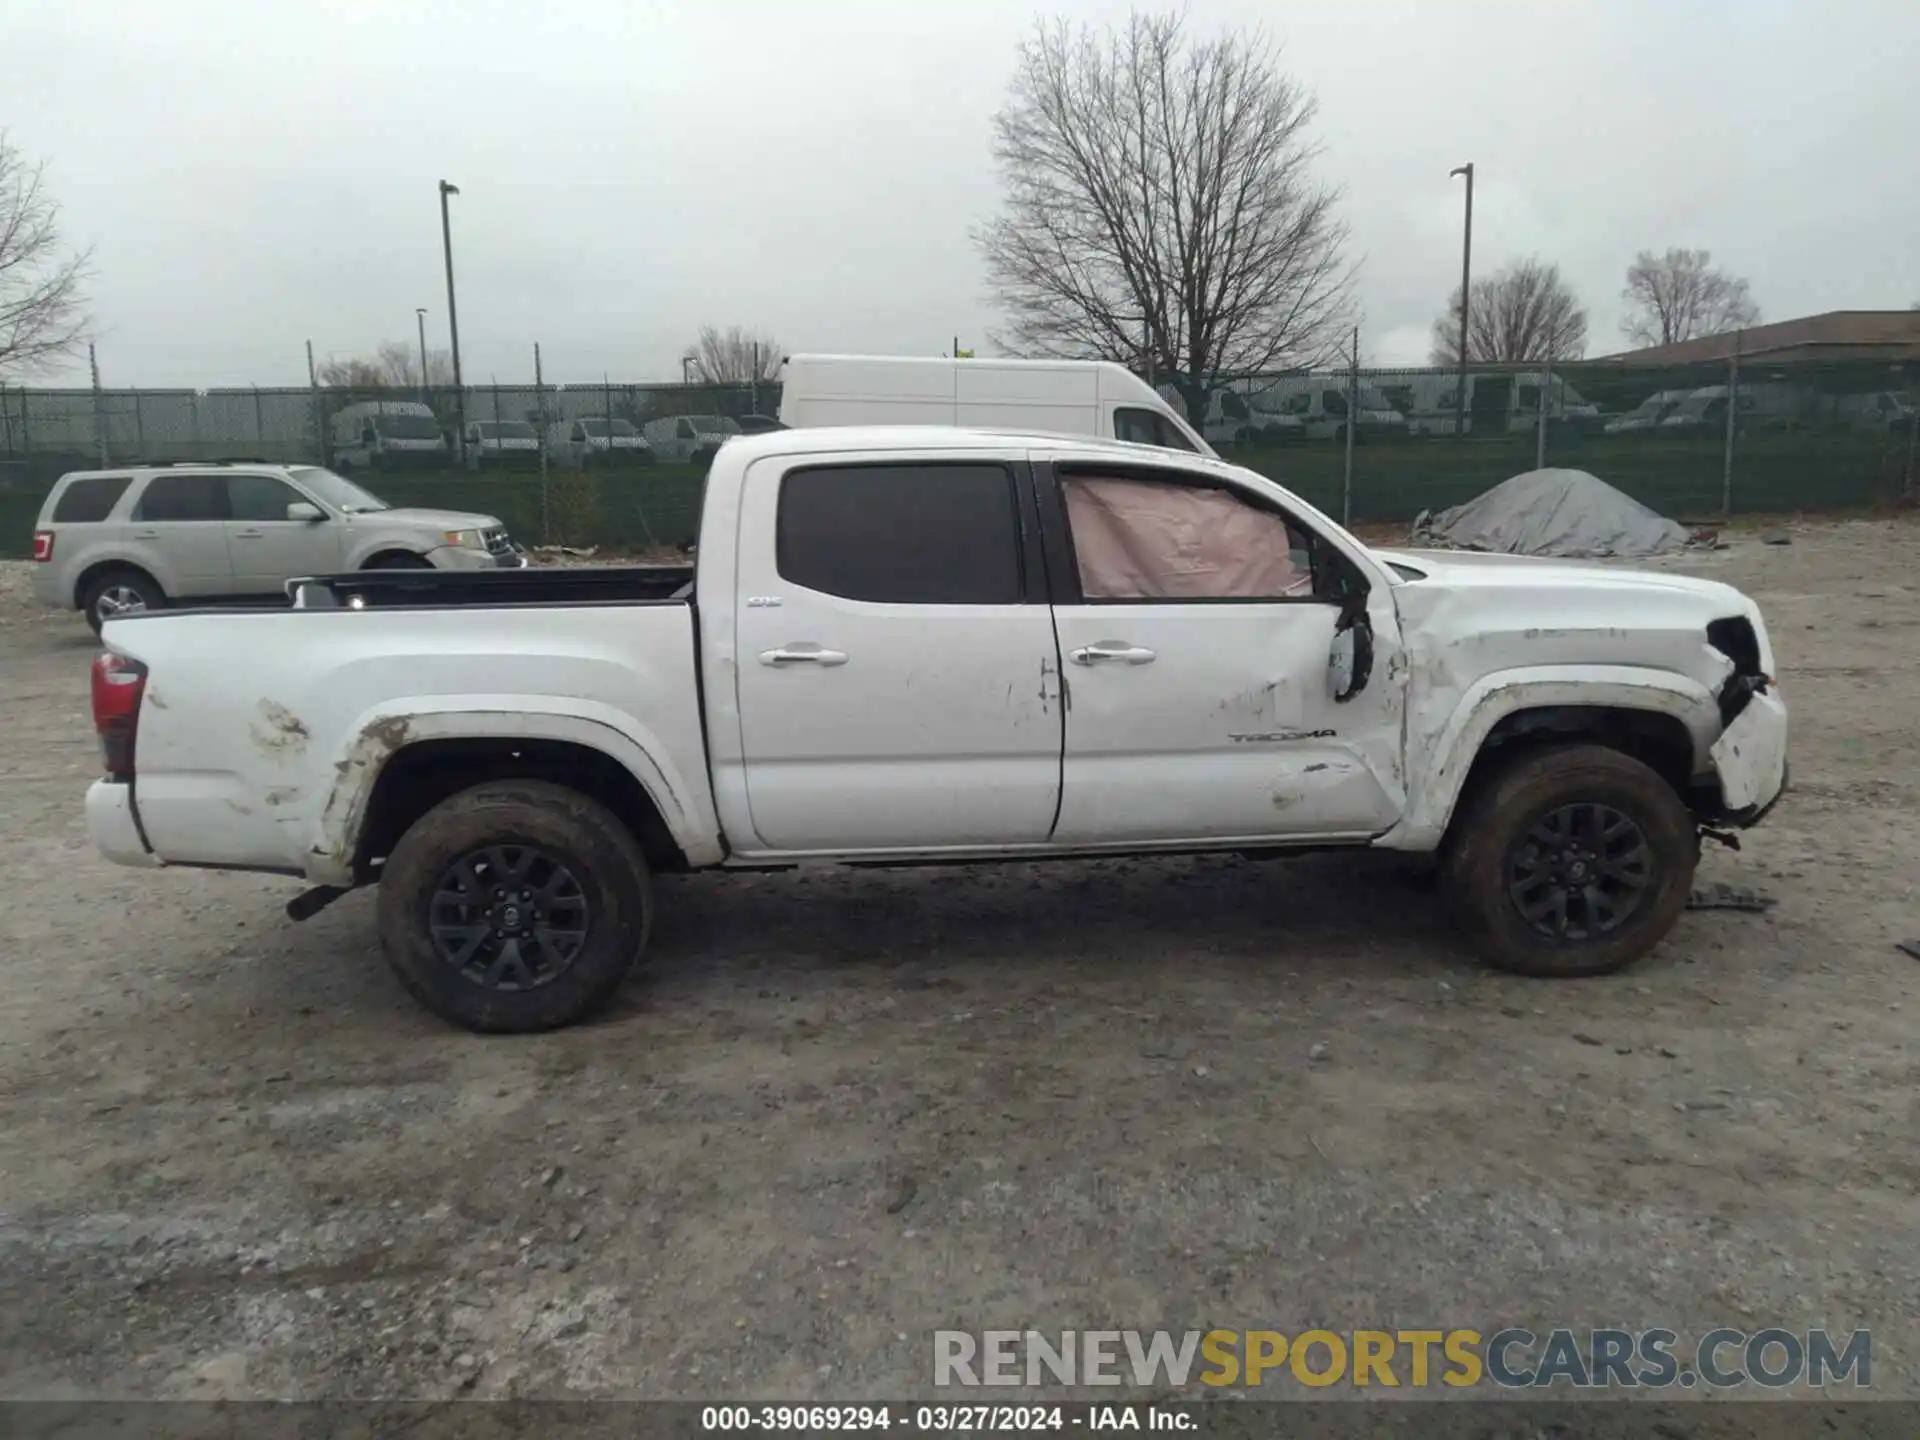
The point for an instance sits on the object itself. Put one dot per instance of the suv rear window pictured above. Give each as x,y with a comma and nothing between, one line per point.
184,497
89,501
931,534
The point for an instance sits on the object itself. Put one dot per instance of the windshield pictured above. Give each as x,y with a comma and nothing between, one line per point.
407,427
715,424
506,430
339,493
1372,399
598,428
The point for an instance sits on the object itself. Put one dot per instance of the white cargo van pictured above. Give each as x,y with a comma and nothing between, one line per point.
1061,397
1505,402
381,434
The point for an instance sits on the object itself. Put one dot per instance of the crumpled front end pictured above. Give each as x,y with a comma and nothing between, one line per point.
1750,757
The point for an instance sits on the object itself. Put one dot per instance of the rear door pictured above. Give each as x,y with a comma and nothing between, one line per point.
898,683
266,548
179,520
1207,644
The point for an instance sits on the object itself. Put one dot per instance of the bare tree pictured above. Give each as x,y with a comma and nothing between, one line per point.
735,356
1524,312
352,374
42,304
400,361
1680,296
1160,206
394,365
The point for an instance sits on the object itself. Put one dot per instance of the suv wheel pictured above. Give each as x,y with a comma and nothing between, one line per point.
120,592
515,906
1572,861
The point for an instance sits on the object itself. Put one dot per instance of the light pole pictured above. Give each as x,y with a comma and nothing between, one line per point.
1466,278
686,369
420,315
453,315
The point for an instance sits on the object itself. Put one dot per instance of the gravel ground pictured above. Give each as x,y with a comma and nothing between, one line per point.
845,1110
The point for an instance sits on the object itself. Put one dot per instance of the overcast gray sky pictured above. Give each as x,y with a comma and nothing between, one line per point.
253,176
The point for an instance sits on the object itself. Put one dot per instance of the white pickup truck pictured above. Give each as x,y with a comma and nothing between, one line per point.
930,645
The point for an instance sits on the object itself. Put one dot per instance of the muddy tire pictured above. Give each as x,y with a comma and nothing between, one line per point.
120,592
1570,861
515,906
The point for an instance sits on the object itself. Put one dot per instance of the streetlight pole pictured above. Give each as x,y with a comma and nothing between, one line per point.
453,315
1466,279
420,315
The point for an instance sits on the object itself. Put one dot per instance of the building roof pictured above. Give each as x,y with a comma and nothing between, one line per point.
1837,335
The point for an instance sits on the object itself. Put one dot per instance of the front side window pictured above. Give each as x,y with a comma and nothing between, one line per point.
340,493
1140,539
1333,402
183,497
259,497
1148,427
925,534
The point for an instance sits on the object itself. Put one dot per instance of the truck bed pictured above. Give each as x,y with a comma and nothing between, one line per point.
442,589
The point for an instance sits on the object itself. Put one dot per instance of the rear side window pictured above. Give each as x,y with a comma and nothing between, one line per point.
1149,427
184,497
932,534
87,502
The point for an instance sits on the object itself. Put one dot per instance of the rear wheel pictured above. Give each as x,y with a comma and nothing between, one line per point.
515,906
1571,861
120,592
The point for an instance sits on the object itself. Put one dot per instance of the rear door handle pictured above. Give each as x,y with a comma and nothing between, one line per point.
1112,652
804,653
246,534
146,534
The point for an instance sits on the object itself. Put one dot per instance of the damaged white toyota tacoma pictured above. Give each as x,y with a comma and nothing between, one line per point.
925,645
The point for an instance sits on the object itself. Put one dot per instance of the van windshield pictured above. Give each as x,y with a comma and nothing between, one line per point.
599,428
506,430
715,425
407,427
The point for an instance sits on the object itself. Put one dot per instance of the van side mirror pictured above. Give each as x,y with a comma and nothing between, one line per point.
303,511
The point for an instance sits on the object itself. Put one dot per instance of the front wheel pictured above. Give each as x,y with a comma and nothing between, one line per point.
1571,861
515,906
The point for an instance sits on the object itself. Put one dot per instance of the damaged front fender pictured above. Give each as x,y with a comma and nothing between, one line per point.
1750,758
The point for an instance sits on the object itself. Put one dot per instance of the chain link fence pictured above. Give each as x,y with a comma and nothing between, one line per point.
620,465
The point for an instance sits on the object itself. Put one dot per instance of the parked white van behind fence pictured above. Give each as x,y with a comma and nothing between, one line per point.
1503,403
1064,397
381,434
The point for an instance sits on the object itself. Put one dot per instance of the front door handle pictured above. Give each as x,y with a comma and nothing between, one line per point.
1103,652
246,534
805,653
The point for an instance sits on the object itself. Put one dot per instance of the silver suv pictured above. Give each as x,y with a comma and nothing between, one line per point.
111,541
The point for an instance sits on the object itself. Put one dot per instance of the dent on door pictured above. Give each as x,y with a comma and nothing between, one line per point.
1234,729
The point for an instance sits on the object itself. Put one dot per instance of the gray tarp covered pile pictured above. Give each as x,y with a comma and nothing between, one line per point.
1552,512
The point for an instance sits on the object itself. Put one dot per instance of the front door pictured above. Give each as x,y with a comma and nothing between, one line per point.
266,548
1205,660
897,679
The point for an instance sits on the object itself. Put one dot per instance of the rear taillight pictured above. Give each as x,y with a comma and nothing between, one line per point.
118,684
43,544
